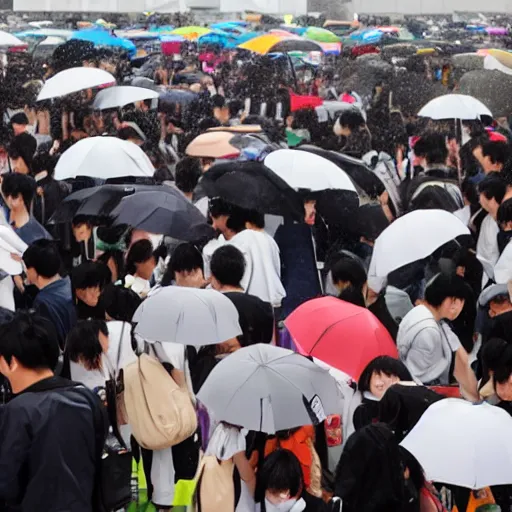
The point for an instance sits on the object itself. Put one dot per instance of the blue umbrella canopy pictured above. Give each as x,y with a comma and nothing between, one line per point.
104,38
247,36
367,36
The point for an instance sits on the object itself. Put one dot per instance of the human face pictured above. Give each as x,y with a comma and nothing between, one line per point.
228,347
15,203
280,500
310,212
485,203
89,296
146,268
31,276
485,161
380,383
82,232
219,223
451,308
18,165
504,389
18,129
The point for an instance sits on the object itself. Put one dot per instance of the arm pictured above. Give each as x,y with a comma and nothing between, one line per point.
465,375
247,473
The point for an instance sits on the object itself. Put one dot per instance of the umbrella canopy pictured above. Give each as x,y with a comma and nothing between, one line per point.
459,443
74,80
268,389
307,171
104,38
454,106
164,213
340,334
413,237
187,316
7,39
366,36
270,43
178,96
212,145
253,186
321,35
122,95
105,158
192,32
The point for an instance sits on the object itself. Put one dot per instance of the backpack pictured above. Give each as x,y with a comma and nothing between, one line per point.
159,411
215,490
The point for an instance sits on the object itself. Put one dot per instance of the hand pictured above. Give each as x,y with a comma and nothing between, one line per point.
16,257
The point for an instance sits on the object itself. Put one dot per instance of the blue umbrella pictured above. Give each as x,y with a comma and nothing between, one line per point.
247,36
229,25
223,40
294,29
104,38
368,36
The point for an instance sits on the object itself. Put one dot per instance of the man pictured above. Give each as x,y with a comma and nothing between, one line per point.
19,191
255,316
492,155
188,172
21,152
496,299
19,123
492,190
503,267
55,299
85,237
48,435
221,109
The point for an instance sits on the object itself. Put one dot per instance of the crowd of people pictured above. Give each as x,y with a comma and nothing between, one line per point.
418,239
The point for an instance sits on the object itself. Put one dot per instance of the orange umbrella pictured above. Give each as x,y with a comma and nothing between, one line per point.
270,43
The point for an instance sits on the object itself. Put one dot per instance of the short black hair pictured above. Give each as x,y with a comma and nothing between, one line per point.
281,471
89,274
443,286
120,303
493,356
14,185
218,101
352,119
31,339
185,258
432,147
237,217
347,269
383,364
139,252
228,265
44,162
505,212
83,345
353,295
493,186
19,118
187,174
43,256
118,257
497,151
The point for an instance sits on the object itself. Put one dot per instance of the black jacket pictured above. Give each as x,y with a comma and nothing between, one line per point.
48,450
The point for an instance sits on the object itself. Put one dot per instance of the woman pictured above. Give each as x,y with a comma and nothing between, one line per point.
87,281
280,486
140,265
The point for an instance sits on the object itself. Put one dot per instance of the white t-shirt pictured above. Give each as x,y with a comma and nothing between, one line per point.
487,245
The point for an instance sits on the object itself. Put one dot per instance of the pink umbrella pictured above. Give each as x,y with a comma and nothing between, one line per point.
283,33
497,31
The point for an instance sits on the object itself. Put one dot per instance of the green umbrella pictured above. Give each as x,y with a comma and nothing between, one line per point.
321,35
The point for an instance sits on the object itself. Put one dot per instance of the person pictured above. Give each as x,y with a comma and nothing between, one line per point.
503,268
348,272
49,438
54,300
220,109
496,299
21,152
114,260
425,341
120,303
188,172
255,316
19,191
492,155
85,240
140,265
351,125
19,123
280,486
87,281
492,191
185,267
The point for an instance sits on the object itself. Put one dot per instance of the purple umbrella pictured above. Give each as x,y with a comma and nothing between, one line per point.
497,31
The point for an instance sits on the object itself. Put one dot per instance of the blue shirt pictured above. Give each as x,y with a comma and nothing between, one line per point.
32,231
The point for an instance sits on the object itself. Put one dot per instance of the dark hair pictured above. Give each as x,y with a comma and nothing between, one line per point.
383,364
497,151
352,119
19,118
493,186
89,274
443,286
228,265
185,258
504,212
353,295
120,303
14,185
139,252
82,343
218,101
281,471
118,258
348,269
255,218
237,217
43,256
31,339
493,357
416,473
78,220
23,146
44,162
187,174
432,147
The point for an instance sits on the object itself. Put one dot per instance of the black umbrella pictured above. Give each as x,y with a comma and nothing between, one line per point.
253,186
96,201
164,213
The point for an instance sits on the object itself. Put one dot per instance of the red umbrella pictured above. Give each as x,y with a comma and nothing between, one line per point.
342,335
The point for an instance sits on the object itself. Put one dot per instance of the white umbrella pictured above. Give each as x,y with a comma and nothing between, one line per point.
454,106
301,169
103,157
463,444
122,95
74,80
413,237
268,389
7,39
187,316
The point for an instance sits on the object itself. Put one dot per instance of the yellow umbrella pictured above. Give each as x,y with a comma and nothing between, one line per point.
194,32
502,56
270,43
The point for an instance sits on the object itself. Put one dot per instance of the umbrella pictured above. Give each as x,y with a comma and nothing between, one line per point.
464,444
192,32
105,158
367,36
268,389
340,334
74,80
230,25
178,96
492,63
212,145
7,39
247,36
270,43
122,95
454,106
104,38
321,35
164,213
253,186
413,237
187,316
